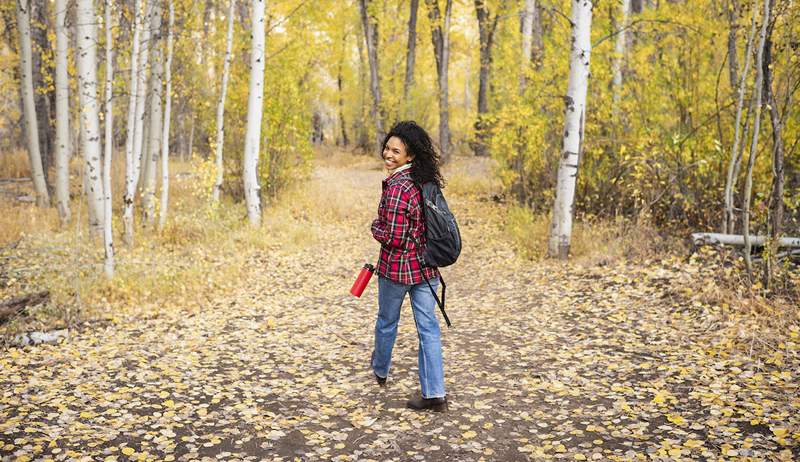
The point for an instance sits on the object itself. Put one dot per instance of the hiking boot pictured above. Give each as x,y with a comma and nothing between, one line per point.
381,380
420,404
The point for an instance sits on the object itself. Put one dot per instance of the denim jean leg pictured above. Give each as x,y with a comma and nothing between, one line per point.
390,299
431,369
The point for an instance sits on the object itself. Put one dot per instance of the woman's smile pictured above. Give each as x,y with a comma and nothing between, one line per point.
395,154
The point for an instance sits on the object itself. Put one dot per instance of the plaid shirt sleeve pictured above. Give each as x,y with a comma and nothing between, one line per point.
391,226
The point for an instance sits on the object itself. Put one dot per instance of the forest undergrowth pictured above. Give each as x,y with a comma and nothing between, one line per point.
220,340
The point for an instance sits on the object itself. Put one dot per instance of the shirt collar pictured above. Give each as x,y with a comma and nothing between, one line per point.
399,169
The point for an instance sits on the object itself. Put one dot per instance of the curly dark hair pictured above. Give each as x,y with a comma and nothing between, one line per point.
425,167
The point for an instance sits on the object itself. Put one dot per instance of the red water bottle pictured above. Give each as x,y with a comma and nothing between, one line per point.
362,280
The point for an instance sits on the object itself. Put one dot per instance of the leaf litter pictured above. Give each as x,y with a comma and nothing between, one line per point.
545,362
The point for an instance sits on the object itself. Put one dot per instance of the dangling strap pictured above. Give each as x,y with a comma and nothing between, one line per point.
436,296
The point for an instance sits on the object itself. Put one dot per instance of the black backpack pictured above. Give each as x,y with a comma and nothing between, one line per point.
442,237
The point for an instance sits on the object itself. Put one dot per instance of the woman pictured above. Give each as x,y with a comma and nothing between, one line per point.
409,157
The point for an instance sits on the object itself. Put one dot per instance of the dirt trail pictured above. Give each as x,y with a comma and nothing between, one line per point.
544,362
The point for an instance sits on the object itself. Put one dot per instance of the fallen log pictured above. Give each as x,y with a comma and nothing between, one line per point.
18,305
738,240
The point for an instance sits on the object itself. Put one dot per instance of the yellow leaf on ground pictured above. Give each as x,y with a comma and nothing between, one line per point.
469,434
128,451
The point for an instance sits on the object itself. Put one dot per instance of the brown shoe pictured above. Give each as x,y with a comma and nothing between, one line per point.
381,380
420,404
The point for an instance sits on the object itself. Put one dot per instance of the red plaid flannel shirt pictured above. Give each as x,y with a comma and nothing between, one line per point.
399,224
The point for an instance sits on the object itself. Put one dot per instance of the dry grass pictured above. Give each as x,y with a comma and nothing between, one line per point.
15,164
594,242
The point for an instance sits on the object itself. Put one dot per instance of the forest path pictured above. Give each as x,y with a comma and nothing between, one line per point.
544,361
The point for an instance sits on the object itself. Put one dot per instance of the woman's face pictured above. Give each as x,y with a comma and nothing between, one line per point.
395,154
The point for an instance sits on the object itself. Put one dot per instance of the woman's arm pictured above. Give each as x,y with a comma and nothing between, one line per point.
391,226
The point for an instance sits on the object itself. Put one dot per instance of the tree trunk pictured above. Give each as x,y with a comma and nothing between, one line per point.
371,35
86,23
108,238
42,73
537,45
574,119
733,59
363,136
526,19
221,106
440,35
28,108
748,184
342,124
619,57
255,107
134,141
486,29
776,195
728,222
410,51
162,212
150,166
63,146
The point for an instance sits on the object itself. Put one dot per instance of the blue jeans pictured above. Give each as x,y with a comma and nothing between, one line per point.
423,306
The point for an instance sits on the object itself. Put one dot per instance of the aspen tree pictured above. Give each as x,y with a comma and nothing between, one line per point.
751,160
28,107
221,105
255,108
108,238
574,120
62,113
162,217
131,175
619,56
728,221
151,155
370,26
440,36
86,29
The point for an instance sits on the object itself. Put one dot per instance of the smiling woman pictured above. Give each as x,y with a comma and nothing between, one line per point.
410,159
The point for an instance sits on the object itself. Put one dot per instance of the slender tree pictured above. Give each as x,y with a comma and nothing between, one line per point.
221,105
751,160
370,26
28,108
411,50
86,28
153,151
487,25
729,221
63,145
162,211
527,17
140,50
619,55
255,107
440,35
574,120
108,238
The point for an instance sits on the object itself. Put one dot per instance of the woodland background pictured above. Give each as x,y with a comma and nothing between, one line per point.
658,142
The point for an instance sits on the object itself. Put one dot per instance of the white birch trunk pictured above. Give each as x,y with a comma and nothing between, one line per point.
748,182
162,217
62,114
130,173
574,118
221,106
86,22
150,160
371,37
28,107
527,42
619,56
728,222
108,238
255,107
